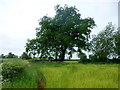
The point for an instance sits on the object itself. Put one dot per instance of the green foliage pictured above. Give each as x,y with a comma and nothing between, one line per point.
102,45
2,56
117,43
27,79
25,56
11,69
59,35
10,55
83,58
93,58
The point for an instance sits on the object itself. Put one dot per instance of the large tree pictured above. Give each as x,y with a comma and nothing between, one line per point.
58,35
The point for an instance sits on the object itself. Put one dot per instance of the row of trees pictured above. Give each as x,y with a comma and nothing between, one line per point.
67,33
10,55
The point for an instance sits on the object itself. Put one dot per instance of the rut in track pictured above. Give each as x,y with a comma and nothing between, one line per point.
41,83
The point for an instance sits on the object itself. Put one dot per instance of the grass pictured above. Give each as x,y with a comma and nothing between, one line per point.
81,76
67,75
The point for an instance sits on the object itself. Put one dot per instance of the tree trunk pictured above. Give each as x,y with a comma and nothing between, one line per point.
56,55
62,55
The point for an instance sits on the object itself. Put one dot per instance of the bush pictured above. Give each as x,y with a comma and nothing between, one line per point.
114,60
10,69
93,58
83,58
25,56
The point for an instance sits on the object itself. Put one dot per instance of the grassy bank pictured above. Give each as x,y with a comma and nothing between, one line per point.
63,75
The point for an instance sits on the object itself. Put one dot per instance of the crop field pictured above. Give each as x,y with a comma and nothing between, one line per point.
64,75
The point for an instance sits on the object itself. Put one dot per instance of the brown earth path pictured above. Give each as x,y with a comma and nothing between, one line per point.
41,83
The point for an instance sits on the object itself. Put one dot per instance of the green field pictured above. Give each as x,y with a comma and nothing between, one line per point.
66,75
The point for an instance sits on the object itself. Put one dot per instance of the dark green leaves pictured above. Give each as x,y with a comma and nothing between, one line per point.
102,45
62,33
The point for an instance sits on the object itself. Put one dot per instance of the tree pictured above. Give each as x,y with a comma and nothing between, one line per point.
83,57
102,45
58,35
31,48
2,56
117,42
25,56
11,55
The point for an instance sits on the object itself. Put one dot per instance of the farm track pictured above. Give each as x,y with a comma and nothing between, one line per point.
41,83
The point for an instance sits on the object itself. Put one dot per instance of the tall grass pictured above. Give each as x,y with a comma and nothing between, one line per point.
81,76
64,75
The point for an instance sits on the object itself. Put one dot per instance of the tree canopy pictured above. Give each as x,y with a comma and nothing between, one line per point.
117,42
105,44
58,35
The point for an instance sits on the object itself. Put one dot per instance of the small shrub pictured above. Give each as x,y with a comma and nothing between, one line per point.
25,56
114,60
83,58
94,59
10,69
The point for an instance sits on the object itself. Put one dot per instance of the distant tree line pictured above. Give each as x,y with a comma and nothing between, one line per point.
10,55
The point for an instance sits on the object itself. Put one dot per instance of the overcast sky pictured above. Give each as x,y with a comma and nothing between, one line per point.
19,18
